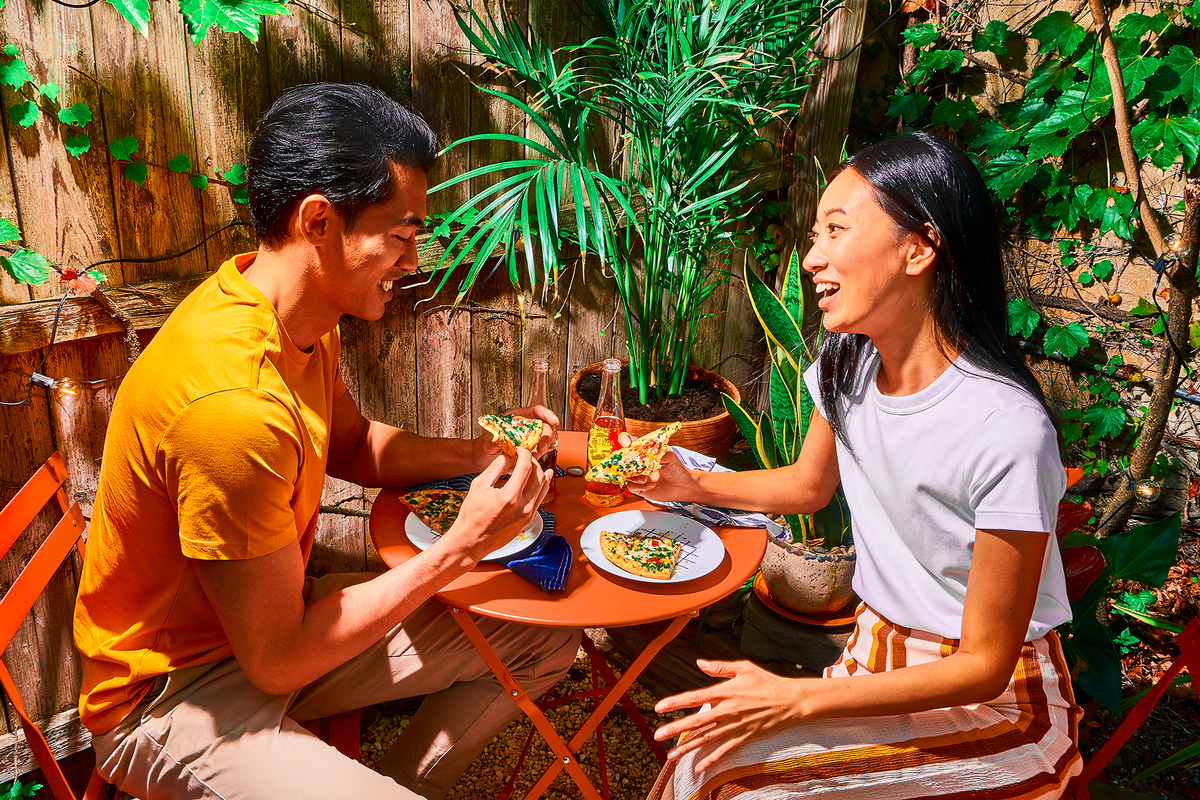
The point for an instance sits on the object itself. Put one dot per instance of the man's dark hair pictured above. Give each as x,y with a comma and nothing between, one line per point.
334,139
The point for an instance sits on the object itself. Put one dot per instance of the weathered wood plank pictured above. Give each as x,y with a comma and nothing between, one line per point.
444,371
149,98
375,46
64,733
10,290
741,348
65,204
28,443
304,47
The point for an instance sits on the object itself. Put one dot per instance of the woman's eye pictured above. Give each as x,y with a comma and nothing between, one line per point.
812,236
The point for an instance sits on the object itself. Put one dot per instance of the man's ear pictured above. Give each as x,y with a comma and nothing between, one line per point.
316,219
923,250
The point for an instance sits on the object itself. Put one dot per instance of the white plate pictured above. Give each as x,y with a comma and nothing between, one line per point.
701,553
422,536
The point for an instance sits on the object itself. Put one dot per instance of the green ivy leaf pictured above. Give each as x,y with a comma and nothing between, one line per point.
1057,31
14,73
136,12
993,138
24,114
199,181
955,113
1077,207
239,195
1103,421
136,172
1086,279
1090,103
931,60
1194,335
10,49
1159,326
1138,601
235,175
1050,144
1167,138
1109,209
50,90
77,145
921,35
233,16
1066,339
1134,27
8,231
1022,318
1055,73
908,106
26,266
1136,70
180,163
1103,269
992,38
1184,63
96,275
1144,308
123,149
1008,172
78,114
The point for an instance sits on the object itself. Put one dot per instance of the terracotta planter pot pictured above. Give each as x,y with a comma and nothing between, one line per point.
711,436
807,582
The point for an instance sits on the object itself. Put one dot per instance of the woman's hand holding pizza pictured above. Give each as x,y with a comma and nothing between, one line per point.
671,481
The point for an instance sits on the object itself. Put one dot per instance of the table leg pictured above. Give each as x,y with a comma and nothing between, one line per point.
615,692
564,756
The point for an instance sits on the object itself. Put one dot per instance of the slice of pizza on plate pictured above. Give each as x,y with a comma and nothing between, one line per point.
645,556
510,431
437,508
642,457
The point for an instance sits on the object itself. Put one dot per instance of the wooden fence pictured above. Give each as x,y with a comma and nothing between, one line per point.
420,366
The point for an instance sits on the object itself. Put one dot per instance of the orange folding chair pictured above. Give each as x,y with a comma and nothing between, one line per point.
1189,656
47,482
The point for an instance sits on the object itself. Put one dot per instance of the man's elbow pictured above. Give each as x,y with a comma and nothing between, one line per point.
268,677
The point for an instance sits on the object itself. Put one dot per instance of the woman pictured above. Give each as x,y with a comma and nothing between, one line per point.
953,683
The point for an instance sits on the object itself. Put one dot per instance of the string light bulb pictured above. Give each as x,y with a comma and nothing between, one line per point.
65,391
1148,490
1175,248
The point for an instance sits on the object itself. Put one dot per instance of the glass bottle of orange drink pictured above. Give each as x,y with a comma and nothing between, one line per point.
607,423
539,395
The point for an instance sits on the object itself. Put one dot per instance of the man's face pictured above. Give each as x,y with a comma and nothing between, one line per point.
381,247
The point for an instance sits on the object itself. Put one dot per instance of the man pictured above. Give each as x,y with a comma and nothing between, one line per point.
202,640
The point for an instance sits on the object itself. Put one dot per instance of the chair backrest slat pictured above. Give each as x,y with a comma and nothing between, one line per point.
28,586
30,499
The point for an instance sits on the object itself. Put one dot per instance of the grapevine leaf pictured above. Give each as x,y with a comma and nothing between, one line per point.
1103,421
1135,26
8,231
1144,308
1057,31
1166,138
1186,65
955,113
24,114
1090,103
930,60
921,35
26,266
10,49
235,175
135,12
1007,172
1022,318
180,163
1192,11
50,90
14,73
1103,269
993,138
1066,339
1086,279
199,181
77,145
1158,328
1077,208
239,195
78,114
1109,209
136,172
992,38
123,149
1050,144
233,16
908,106
1055,73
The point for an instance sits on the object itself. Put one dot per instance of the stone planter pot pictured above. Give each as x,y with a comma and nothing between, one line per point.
808,582
711,436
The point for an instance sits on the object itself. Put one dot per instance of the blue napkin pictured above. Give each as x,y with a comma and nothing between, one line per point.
714,515
546,562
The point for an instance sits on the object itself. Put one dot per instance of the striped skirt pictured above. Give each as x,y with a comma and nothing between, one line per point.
1020,745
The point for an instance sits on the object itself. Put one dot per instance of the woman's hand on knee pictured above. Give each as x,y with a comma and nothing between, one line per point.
750,702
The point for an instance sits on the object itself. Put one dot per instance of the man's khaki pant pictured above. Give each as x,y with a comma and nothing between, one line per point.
207,732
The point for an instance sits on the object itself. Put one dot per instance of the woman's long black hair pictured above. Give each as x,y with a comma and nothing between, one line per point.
920,179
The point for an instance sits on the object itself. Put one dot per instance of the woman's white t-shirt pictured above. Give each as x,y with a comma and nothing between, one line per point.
970,451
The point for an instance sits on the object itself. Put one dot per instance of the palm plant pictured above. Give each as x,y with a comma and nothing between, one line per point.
687,86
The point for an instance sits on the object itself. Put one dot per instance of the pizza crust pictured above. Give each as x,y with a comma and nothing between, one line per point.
510,431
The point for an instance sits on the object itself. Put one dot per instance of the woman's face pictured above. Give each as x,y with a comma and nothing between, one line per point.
871,277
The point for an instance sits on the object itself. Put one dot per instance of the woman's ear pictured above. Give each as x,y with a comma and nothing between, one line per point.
923,250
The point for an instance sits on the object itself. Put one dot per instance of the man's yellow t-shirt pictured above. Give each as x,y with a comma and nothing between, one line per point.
216,449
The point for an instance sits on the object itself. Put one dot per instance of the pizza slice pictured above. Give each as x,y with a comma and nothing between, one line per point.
510,431
437,508
641,457
646,556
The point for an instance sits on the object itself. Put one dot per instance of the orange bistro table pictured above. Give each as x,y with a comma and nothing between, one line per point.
591,598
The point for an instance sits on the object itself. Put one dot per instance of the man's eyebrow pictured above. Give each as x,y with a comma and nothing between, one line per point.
411,220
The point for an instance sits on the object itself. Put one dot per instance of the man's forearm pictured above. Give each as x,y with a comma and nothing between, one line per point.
388,456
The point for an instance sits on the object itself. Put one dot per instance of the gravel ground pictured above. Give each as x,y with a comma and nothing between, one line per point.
632,766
